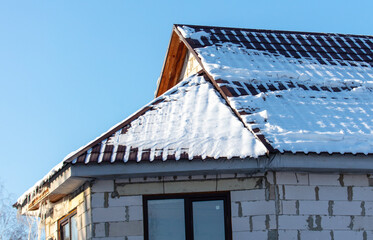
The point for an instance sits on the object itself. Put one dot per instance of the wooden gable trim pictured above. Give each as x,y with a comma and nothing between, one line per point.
173,64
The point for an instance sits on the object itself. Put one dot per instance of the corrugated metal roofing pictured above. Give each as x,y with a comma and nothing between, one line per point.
190,121
305,92
326,48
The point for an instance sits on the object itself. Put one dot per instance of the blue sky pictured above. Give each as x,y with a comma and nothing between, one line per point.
69,70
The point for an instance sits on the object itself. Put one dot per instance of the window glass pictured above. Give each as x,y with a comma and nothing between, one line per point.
68,227
208,220
204,216
74,228
166,219
65,231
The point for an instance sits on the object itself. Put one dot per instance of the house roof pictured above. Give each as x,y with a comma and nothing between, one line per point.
190,121
304,92
260,91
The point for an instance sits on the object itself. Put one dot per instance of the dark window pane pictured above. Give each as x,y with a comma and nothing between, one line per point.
74,228
166,219
208,220
65,231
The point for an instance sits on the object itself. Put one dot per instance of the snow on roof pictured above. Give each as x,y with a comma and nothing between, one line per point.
189,121
305,92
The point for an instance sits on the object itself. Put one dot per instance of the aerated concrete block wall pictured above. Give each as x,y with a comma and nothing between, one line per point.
117,208
82,204
302,206
113,216
273,206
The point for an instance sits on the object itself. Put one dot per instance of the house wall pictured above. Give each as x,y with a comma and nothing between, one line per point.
323,206
82,203
191,66
275,205
117,205
307,206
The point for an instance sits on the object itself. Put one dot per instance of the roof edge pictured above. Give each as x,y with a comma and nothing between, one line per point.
277,31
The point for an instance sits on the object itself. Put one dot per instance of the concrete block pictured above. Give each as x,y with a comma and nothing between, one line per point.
287,235
270,177
240,224
288,207
313,207
336,222
250,235
99,230
368,208
140,188
362,193
236,209
258,208
333,193
348,235
315,235
135,238
324,179
191,186
125,201
358,180
287,222
291,178
239,183
103,186
98,200
88,200
299,192
369,235
363,223
121,229
112,214
347,208
86,218
248,195
82,234
265,222
135,213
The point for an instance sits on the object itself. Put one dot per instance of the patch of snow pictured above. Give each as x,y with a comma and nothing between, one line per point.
311,121
188,32
235,63
192,119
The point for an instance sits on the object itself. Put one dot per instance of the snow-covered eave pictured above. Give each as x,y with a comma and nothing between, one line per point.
51,188
40,186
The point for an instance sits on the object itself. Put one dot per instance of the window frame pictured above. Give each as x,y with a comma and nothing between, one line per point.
66,220
189,198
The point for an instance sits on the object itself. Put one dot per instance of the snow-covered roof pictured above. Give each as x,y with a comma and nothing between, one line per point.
190,121
260,91
305,92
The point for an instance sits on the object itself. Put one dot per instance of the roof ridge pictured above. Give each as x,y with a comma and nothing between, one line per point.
277,31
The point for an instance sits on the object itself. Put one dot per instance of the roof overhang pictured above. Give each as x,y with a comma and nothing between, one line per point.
336,163
61,185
